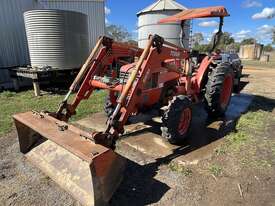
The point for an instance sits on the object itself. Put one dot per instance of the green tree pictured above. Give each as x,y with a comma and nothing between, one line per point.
273,37
197,38
133,42
227,42
227,39
235,47
248,41
268,48
118,33
202,48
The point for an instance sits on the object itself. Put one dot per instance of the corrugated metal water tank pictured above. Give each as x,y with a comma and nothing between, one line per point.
57,38
148,23
94,9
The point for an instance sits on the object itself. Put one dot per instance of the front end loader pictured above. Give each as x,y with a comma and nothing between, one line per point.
137,80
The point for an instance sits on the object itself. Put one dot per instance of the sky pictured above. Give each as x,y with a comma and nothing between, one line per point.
248,18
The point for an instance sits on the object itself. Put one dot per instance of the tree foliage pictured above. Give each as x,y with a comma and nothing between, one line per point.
268,48
203,48
226,39
132,42
235,47
227,43
118,33
197,38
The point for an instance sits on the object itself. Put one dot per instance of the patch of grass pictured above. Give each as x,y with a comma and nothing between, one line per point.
181,169
12,103
252,120
215,169
8,94
220,151
256,63
250,143
255,163
248,126
234,141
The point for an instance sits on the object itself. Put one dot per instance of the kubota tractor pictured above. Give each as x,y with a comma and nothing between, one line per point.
137,80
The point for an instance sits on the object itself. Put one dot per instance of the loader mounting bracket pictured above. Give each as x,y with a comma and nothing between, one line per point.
158,42
107,42
105,139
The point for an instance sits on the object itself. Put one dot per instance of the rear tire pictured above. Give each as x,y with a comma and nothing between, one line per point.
176,120
219,89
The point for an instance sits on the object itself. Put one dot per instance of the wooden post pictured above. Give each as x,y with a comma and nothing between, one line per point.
15,84
36,87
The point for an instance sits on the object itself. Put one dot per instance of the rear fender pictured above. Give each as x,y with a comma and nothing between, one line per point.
202,72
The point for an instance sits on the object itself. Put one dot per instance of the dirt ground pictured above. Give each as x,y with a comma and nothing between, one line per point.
219,180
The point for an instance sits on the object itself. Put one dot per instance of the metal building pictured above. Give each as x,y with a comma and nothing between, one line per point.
251,51
148,23
94,9
13,43
56,38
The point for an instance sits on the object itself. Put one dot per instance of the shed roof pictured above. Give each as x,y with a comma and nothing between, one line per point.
163,5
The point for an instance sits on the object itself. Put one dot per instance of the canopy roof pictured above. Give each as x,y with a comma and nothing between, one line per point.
216,11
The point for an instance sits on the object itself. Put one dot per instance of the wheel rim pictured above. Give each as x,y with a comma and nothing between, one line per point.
184,122
226,91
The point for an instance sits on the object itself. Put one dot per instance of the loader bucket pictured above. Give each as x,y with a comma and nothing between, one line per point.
89,172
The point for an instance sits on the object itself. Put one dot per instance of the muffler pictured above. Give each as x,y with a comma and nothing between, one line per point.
90,172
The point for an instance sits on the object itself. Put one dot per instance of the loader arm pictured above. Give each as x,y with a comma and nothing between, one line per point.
153,56
104,54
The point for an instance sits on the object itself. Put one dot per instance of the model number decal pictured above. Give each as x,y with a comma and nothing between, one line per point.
175,53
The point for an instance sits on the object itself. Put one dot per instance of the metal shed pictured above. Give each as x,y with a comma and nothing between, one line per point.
251,51
94,9
13,41
13,44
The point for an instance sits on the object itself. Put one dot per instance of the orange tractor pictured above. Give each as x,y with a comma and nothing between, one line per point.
138,80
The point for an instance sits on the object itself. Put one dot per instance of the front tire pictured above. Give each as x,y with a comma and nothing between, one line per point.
176,120
219,89
237,81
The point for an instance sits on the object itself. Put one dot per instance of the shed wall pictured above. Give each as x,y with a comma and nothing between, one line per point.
93,8
13,41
